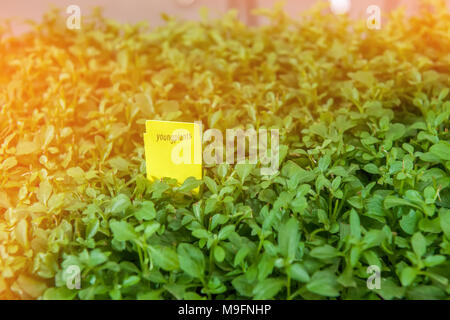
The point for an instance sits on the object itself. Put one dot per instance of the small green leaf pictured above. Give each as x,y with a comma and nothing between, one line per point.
92,228
243,285
240,255
119,164
225,232
435,260
424,292
441,150
324,283
243,170
122,230
408,275
409,222
219,253
189,184
297,272
371,168
324,252
444,92
393,201
191,260
355,228
120,204
396,131
151,228
390,290
444,216
324,163
267,288
61,293
419,244
211,184
146,212
44,191
265,266
131,281
165,258
288,238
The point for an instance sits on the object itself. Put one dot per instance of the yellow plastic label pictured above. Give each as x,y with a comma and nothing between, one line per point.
173,149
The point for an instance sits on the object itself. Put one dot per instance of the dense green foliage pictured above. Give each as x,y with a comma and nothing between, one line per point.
364,168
